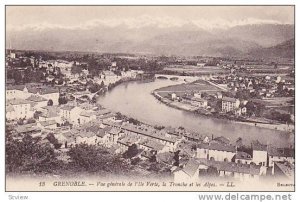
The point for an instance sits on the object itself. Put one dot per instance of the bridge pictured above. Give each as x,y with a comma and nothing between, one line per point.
80,94
182,78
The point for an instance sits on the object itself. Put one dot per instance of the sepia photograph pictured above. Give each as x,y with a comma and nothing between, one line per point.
149,98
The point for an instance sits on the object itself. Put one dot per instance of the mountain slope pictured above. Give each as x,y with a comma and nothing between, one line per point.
282,50
182,40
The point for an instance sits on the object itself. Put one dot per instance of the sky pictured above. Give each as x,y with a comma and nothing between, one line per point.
84,17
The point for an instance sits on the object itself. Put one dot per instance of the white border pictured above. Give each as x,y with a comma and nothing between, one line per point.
123,196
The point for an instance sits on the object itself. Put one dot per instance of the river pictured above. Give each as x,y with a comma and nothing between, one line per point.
134,99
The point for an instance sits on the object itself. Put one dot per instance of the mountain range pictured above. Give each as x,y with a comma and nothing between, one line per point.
257,40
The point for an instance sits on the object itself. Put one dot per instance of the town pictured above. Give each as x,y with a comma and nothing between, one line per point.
51,103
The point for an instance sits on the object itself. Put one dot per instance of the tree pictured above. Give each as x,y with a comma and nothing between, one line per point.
176,158
93,158
52,139
62,100
28,155
239,142
17,76
131,152
76,69
37,114
50,103
102,84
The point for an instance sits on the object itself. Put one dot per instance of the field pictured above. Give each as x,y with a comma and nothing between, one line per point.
198,86
189,69
276,102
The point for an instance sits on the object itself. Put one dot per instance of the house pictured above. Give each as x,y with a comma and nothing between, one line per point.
126,141
280,155
143,131
70,138
284,170
230,104
222,140
152,145
50,78
219,95
51,124
50,113
114,134
198,102
15,91
87,116
199,64
215,151
103,136
243,157
190,172
260,154
10,82
37,102
86,138
241,172
240,111
70,114
165,157
48,93
18,109
173,96
28,129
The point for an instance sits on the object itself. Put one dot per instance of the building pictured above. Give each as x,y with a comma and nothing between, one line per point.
86,116
28,129
152,145
199,102
86,138
190,172
260,154
280,155
51,124
243,157
197,168
37,102
284,170
18,109
70,114
114,134
230,104
215,151
241,172
50,113
199,64
15,91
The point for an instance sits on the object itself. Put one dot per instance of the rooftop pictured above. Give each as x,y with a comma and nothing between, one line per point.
191,167
17,102
243,155
15,87
287,168
87,113
232,167
229,99
281,152
47,123
36,98
67,107
217,146
257,146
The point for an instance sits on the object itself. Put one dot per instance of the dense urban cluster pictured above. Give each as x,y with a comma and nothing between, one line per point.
55,124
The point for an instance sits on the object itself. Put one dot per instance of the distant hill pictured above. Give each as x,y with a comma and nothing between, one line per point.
185,40
282,50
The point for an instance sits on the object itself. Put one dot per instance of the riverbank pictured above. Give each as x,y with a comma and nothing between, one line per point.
189,108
